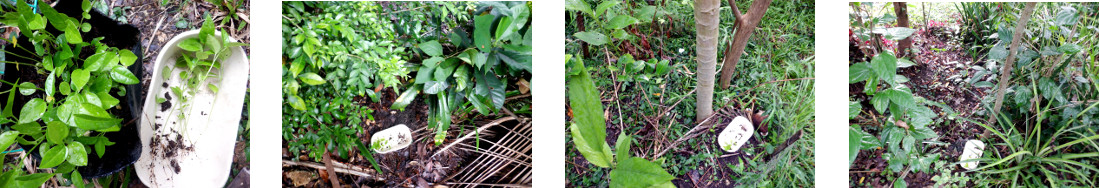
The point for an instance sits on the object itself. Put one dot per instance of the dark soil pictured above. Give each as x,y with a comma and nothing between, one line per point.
930,78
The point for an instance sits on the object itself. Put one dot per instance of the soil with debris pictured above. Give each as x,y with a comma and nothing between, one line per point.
942,65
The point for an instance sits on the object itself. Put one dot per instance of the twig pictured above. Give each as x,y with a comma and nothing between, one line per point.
690,134
337,167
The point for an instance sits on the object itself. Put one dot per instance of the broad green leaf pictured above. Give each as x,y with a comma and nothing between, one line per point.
51,80
77,179
79,79
998,52
853,109
434,87
1067,16
78,155
588,127
425,74
32,111
904,63
482,32
123,76
72,35
54,156
1069,48
126,57
859,72
593,38
7,138
854,142
622,146
432,48
602,7
27,88
898,33
638,172
92,117
56,132
645,14
620,21
32,180
311,78
192,45
884,66
296,102
406,98
504,28
579,5
899,183
298,65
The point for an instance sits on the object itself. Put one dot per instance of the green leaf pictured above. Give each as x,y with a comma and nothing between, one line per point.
638,172
602,7
482,36
588,127
504,28
579,5
56,132
622,146
853,109
998,52
78,155
79,79
406,98
192,45
32,111
27,88
593,38
72,34
904,63
898,33
311,78
296,102
51,80
854,142
859,72
1069,48
7,138
96,61
123,76
620,21
77,179
32,180
54,156
127,57
884,66
92,117
1067,16
432,48
298,65
899,183
434,87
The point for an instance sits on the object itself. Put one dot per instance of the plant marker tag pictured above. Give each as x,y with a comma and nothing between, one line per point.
391,139
973,150
736,134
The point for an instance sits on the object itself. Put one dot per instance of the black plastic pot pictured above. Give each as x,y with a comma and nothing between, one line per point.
127,147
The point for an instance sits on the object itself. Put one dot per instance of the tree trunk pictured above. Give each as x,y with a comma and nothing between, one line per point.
706,24
901,9
1005,71
746,24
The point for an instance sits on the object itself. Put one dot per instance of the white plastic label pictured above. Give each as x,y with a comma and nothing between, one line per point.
736,134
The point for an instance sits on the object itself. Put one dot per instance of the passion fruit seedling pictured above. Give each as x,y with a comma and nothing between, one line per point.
75,119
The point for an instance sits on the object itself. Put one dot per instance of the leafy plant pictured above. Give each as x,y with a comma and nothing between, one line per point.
77,93
588,130
201,56
473,71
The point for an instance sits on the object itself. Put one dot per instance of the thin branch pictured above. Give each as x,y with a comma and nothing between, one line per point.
338,167
471,133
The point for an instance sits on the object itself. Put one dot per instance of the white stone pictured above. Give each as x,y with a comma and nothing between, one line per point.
736,134
973,150
391,139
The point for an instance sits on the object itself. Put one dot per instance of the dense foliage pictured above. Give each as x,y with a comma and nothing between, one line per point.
460,56
77,93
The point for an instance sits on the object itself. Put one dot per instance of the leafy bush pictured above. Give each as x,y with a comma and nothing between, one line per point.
77,93
474,69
